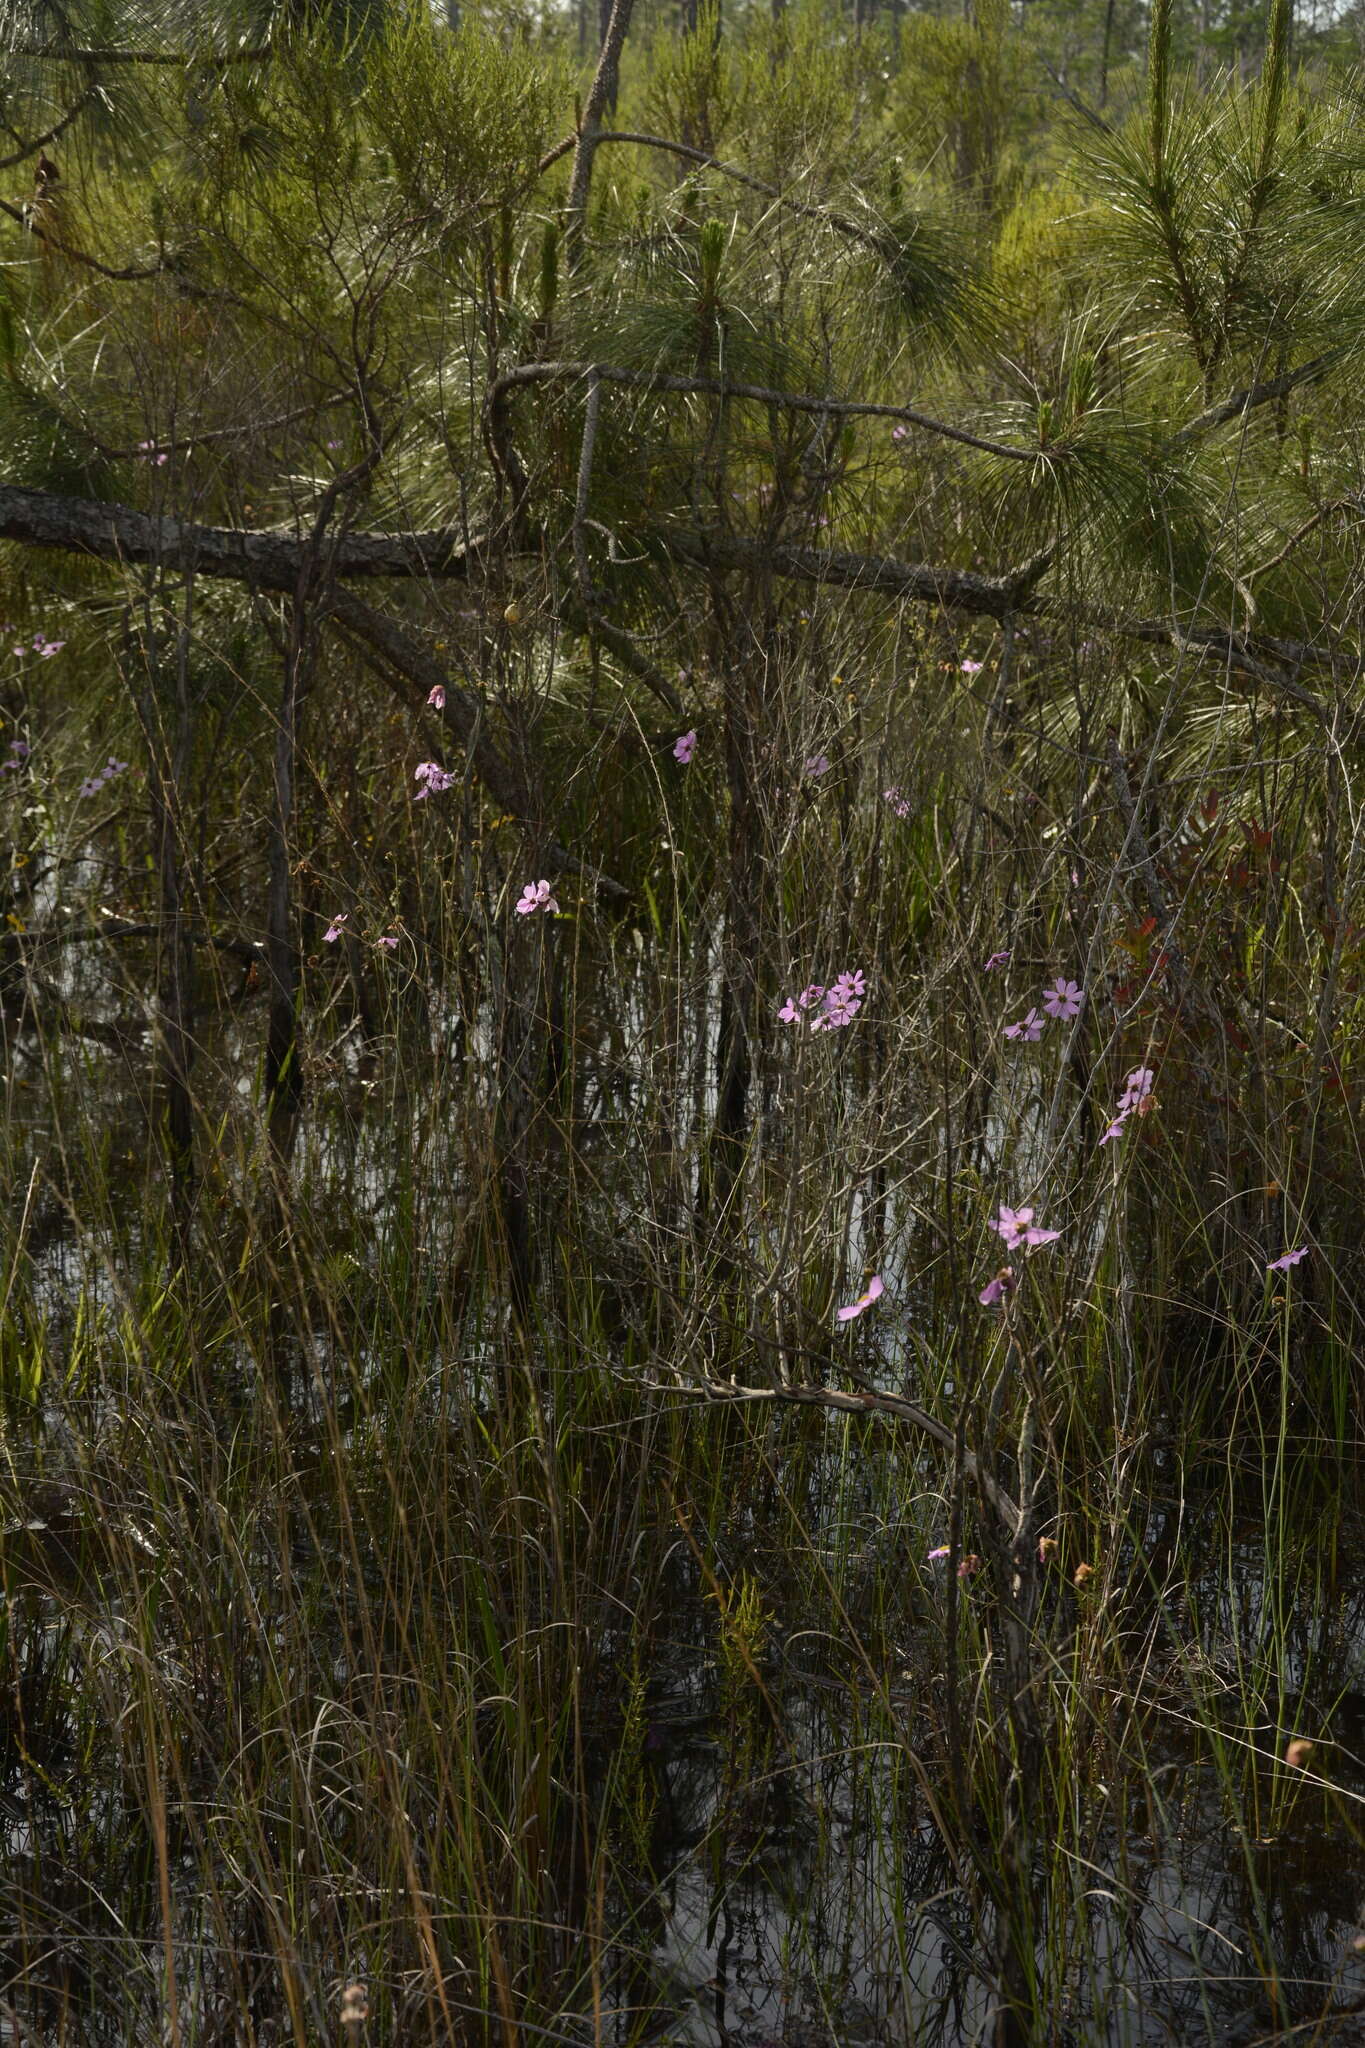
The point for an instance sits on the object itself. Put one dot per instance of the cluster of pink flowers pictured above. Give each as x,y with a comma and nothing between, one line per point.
93,784
898,800
535,896
19,751
41,646
1062,1000
388,940
839,1004
1133,1101
969,1564
1018,1232
434,777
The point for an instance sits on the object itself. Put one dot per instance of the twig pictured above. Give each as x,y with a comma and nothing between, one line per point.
869,1401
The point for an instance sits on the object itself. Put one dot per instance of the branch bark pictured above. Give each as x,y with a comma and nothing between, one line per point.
601,96
759,394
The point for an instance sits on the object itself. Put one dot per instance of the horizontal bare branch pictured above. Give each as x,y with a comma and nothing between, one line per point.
868,1401
1254,395
955,589
265,560
757,394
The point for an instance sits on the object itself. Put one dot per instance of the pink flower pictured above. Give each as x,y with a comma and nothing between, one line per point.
972,668
995,1290
1063,999
1011,1224
841,1007
997,960
684,747
1029,1028
436,697
874,1291
333,931
1137,1088
535,896
898,433
898,800
1287,1259
1115,1129
811,995
1017,1227
937,1555
388,941
789,1013
436,778
817,764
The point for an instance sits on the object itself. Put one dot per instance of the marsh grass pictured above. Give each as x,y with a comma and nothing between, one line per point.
372,1614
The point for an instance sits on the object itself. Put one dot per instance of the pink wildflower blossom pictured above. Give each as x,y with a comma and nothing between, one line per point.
874,1291
1287,1259
997,1288
684,747
436,697
535,896
1137,1088
1029,1028
435,778
1063,999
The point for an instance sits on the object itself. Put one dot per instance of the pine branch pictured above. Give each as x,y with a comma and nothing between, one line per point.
53,134
961,590
264,560
60,53
272,561
757,394
1255,395
806,209
601,96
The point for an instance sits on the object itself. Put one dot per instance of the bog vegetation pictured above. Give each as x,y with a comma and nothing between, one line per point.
682,980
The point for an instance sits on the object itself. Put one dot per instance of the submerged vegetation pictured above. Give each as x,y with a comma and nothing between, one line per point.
682,986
